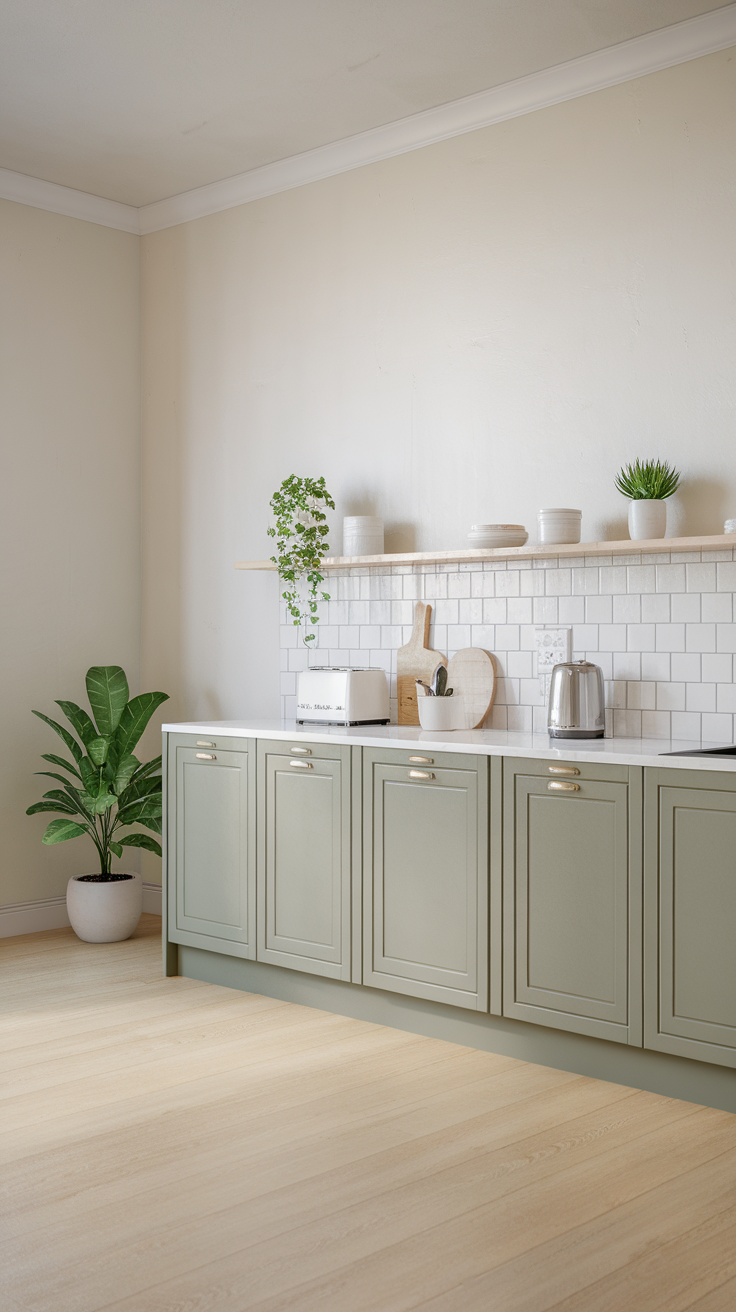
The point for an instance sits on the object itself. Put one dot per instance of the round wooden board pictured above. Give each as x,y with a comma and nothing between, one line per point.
472,675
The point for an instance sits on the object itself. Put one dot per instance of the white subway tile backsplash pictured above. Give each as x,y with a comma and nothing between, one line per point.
665,645
700,697
685,668
671,696
716,607
670,578
700,637
717,728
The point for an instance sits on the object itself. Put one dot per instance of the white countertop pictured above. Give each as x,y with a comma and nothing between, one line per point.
487,742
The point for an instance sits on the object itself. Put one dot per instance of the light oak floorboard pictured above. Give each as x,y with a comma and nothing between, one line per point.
170,1145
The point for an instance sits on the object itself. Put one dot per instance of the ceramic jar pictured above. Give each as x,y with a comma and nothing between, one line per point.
558,526
440,713
362,535
647,519
105,911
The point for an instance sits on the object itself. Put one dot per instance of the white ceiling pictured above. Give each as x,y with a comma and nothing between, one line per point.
137,100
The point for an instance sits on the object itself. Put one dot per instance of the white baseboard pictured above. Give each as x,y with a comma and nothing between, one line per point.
50,913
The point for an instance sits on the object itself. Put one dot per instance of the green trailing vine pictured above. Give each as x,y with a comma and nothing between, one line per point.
650,480
301,544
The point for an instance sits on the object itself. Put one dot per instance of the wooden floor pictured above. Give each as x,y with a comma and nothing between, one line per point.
171,1146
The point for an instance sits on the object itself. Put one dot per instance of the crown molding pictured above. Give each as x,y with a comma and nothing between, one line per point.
638,57
65,200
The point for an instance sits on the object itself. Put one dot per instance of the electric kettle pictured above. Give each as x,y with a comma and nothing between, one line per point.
576,701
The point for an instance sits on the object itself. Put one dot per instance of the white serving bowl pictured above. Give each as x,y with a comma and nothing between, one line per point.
497,535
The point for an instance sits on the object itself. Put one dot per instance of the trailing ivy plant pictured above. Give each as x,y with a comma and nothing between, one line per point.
301,543
104,788
650,480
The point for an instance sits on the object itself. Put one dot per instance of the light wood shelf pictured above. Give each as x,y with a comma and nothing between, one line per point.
719,542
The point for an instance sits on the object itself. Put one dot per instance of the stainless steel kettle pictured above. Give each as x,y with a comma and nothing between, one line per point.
576,701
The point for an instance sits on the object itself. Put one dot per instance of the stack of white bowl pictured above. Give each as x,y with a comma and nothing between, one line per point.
558,526
497,535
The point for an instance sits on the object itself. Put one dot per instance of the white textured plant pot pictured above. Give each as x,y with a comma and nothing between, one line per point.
647,519
440,713
105,912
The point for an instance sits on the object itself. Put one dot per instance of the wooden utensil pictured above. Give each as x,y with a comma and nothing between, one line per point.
415,661
472,676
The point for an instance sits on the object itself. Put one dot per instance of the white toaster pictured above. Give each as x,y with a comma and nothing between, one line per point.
341,695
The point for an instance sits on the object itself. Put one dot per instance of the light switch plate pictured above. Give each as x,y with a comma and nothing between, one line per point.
553,645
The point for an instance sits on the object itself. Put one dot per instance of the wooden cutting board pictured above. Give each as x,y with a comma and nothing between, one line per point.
415,661
472,676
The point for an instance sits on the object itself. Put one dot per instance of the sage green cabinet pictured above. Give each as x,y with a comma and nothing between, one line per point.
690,914
572,897
304,857
211,844
425,875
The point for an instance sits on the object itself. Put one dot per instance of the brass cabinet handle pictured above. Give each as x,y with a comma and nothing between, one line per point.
563,769
421,774
202,743
422,760
301,765
300,751
205,756
562,786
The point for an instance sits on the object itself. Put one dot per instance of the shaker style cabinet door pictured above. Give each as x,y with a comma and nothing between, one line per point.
304,857
690,914
572,897
425,875
211,853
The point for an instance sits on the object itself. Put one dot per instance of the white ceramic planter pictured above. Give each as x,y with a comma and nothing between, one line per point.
647,519
104,912
440,713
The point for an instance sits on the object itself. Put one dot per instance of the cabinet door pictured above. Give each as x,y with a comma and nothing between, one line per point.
304,865
690,915
572,885
212,865
425,876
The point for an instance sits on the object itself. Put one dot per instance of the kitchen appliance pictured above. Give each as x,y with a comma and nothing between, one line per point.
341,694
576,701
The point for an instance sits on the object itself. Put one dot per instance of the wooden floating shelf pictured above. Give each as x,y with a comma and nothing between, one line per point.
720,542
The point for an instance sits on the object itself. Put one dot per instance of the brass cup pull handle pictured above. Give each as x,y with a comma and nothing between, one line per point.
300,751
301,765
421,774
205,756
202,743
421,760
563,769
562,786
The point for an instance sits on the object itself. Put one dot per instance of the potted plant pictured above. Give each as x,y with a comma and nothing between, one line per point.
301,543
104,790
647,485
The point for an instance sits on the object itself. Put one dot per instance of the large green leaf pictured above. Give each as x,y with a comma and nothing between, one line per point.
97,749
64,734
117,848
51,774
127,767
80,719
141,840
90,776
59,830
72,798
59,760
148,808
104,802
139,788
148,768
50,806
135,717
107,689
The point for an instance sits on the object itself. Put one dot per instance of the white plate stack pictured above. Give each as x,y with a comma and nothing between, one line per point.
486,536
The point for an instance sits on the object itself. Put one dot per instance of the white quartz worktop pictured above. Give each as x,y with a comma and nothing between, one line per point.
487,742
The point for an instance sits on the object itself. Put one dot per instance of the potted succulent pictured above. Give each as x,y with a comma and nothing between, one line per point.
301,543
104,791
647,485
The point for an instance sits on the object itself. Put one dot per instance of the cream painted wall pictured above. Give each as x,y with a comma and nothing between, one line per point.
464,333
70,519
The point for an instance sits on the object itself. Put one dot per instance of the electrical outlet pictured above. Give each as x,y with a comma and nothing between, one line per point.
554,645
